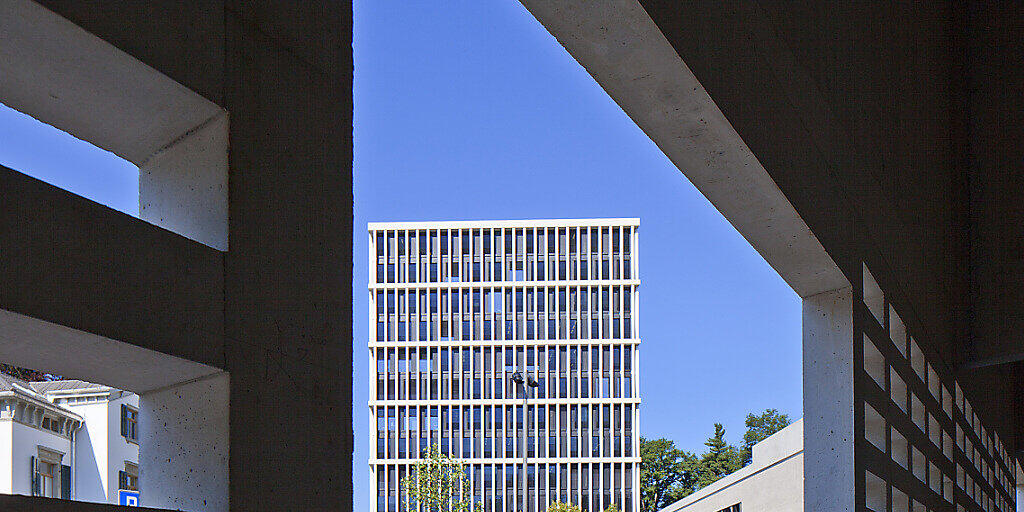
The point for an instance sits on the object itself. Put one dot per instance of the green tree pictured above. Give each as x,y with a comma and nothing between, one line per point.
438,484
759,427
612,508
558,506
721,459
666,473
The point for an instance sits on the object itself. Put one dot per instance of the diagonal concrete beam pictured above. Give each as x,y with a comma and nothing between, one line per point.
622,48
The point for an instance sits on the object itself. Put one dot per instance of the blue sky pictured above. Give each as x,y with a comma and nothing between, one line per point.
51,155
471,110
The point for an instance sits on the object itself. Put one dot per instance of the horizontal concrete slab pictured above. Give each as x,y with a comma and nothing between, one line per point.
72,262
32,343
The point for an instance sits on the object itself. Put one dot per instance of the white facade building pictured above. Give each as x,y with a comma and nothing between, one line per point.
458,309
772,482
68,439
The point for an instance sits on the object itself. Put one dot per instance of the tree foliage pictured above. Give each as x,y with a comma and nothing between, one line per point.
438,484
759,428
666,473
558,506
721,459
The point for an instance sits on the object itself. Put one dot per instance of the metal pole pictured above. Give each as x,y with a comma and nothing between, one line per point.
526,422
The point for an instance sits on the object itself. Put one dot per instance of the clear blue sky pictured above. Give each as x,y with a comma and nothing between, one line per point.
51,155
471,110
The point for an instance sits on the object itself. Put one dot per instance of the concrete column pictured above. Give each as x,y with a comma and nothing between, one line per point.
828,401
183,445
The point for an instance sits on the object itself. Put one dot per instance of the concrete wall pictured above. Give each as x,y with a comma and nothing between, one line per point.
890,128
183,454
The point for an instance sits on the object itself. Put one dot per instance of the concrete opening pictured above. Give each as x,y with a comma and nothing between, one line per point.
58,73
409,273
44,152
123,425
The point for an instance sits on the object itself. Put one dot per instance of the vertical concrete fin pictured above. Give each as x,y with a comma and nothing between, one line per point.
828,401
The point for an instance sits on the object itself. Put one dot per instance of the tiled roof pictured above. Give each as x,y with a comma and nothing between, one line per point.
63,385
6,381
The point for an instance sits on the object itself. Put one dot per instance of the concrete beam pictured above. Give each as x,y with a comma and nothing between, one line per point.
57,72
32,343
983,356
622,48
74,263
62,75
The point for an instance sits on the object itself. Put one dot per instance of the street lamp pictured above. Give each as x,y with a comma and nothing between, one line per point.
527,382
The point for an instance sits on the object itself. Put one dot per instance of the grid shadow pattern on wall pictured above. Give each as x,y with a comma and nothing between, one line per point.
921,446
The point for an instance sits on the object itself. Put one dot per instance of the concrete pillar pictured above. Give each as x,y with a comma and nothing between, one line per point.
183,185
828,401
183,445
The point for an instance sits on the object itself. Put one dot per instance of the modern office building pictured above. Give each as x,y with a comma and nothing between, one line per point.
474,323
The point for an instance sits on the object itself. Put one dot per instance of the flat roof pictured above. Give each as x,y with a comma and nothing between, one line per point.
514,223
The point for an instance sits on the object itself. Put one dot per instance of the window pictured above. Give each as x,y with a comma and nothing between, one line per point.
130,423
734,508
48,474
129,478
45,473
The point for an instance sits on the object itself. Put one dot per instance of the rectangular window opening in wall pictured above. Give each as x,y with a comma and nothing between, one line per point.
944,456
39,150
89,119
114,424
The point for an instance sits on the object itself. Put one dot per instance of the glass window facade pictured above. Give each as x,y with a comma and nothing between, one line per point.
456,308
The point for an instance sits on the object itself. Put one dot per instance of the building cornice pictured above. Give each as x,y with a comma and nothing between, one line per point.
516,223
25,407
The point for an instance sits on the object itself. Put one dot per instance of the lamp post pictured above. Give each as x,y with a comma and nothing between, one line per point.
526,383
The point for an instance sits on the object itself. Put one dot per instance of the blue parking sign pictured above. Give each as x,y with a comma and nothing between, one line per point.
128,498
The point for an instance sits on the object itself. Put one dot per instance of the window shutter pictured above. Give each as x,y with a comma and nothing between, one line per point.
65,482
35,478
124,420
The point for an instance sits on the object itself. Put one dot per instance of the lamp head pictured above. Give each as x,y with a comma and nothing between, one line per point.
517,377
